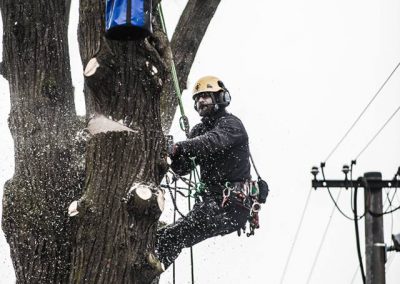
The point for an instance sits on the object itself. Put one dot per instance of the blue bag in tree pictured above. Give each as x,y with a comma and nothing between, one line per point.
128,19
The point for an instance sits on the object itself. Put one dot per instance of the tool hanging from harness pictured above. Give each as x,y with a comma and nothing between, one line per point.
250,195
128,19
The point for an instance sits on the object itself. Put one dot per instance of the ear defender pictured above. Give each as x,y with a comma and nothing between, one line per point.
224,96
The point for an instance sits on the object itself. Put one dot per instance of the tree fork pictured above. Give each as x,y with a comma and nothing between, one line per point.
49,160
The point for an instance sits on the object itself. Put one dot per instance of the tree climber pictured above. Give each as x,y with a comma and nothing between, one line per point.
220,146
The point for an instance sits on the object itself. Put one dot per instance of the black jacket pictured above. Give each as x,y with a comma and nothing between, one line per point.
220,146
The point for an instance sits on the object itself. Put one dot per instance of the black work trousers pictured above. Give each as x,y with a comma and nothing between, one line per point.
207,219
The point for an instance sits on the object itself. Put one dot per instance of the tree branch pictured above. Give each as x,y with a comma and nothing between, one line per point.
189,33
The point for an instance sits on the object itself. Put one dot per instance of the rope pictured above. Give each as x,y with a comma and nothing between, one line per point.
183,121
295,237
189,182
173,199
191,248
362,113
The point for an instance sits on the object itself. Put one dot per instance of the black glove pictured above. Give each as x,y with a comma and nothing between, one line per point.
174,151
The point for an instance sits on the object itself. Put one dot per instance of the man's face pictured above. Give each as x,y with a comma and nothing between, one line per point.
204,104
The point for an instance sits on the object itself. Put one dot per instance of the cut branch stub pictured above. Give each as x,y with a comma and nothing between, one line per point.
119,232
101,124
99,74
73,209
145,199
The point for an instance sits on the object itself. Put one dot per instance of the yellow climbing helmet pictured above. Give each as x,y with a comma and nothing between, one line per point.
208,84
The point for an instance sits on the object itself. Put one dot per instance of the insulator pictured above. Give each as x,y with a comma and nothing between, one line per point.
314,171
346,169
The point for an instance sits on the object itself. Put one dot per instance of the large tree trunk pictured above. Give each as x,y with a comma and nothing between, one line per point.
43,125
111,239
119,211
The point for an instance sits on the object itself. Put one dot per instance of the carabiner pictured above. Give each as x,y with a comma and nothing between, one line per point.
256,207
226,192
225,196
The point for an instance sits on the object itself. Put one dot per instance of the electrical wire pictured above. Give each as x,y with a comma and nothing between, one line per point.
355,274
390,200
353,162
379,131
333,199
295,237
391,218
323,239
388,210
360,261
362,113
391,257
390,261
340,210
383,213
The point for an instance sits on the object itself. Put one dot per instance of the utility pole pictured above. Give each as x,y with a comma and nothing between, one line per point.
375,248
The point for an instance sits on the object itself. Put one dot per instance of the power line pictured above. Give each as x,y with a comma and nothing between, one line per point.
380,130
390,261
295,237
360,261
362,113
333,199
323,239
355,274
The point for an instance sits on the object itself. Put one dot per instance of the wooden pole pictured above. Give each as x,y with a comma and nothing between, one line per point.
374,248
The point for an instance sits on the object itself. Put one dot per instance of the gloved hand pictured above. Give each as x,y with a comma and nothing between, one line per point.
174,150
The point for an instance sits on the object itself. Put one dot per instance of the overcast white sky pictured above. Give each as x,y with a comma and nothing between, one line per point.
299,72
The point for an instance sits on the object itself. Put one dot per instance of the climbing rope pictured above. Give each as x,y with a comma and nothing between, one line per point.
183,121
198,188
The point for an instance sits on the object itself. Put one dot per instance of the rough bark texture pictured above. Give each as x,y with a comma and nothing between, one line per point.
115,236
116,233
111,240
43,125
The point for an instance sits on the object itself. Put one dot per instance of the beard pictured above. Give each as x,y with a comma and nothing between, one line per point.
205,109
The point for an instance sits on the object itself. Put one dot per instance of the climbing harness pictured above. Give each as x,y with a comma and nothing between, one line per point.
183,120
246,194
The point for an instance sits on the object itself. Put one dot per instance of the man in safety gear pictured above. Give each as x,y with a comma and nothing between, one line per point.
219,144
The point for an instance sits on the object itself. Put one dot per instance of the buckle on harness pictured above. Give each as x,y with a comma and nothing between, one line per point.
225,194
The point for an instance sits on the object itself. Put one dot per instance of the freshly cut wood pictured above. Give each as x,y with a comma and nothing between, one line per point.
91,67
73,209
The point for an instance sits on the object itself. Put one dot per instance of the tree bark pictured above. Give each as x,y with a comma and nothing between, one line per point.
114,185
115,239
43,125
